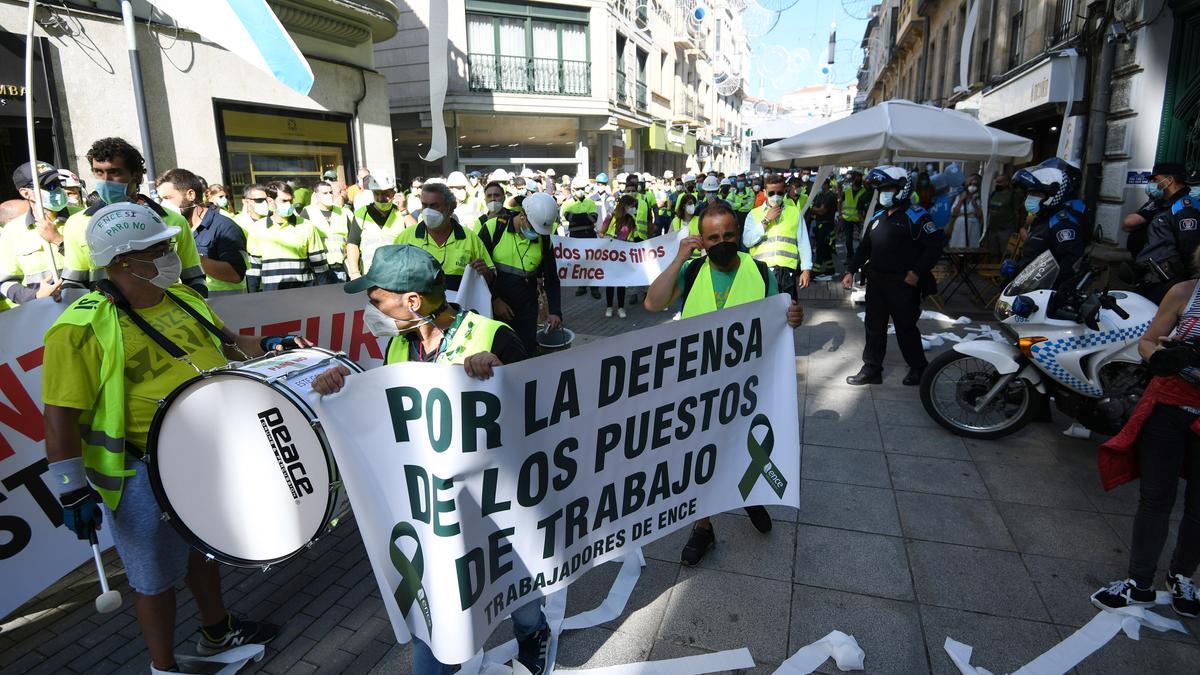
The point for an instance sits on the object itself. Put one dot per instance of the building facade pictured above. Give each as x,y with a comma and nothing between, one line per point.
1038,68
581,86
208,110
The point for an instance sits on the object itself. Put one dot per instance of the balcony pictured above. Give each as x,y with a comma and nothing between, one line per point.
623,97
525,75
643,97
909,26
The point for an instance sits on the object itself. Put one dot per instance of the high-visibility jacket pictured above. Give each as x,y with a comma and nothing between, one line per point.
375,236
748,286
461,247
781,246
102,429
693,225
742,200
850,200
579,214
511,252
25,257
470,334
333,231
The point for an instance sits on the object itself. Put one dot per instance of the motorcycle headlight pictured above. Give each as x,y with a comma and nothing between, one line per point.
1003,310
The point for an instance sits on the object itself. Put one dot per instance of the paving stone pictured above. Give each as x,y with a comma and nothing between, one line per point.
1010,450
847,405
936,476
1122,655
953,520
922,441
860,562
975,579
888,631
397,660
644,611
1063,533
1033,484
907,412
862,435
599,647
849,507
845,465
999,644
719,610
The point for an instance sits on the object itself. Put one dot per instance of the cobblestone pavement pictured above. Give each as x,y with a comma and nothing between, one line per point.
905,535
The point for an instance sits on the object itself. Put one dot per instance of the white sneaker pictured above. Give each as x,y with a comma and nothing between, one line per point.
608,312
1077,430
621,312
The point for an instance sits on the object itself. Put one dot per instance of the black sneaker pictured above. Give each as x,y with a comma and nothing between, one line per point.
760,518
1183,596
698,544
1124,593
238,632
534,651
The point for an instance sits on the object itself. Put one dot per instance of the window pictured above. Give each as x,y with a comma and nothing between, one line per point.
642,94
526,55
1064,21
622,85
1016,33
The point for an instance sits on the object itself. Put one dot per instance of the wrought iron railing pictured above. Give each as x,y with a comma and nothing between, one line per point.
623,96
526,75
643,100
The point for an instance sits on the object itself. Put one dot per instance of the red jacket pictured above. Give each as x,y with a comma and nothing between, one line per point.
1117,458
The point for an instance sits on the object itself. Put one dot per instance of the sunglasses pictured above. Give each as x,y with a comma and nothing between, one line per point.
260,200
775,194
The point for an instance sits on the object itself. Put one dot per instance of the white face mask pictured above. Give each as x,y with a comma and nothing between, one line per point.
886,199
326,199
221,201
579,194
690,209
775,200
284,209
972,189
459,194
381,325
169,205
493,207
433,218
260,208
169,267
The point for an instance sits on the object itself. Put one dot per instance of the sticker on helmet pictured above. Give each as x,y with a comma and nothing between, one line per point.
1187,225
930,228
1066,235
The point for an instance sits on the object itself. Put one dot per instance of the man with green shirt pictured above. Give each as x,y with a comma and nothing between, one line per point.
723,278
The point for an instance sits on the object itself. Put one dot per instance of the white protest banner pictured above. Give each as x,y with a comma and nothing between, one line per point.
612,262
473,293
476,497
34,551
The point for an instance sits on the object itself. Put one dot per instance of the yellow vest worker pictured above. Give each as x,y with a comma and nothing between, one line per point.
781,247
454,255
27,259
285,254
705,289
334,227
371,228
852,200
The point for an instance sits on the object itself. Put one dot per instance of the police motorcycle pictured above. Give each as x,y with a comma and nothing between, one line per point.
1077,346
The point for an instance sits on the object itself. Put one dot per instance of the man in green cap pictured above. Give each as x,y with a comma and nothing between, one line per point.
406,291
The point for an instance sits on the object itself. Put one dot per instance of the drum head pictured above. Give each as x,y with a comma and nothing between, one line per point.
240,469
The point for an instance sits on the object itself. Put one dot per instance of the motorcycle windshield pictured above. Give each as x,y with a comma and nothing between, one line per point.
1037,275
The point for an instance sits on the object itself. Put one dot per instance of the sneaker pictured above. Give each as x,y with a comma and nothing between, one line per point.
1124,593
534,651
238,632
608,312
621,312
1183,596
760,518
698,544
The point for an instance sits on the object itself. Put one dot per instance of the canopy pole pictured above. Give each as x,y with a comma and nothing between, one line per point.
139,94
29,136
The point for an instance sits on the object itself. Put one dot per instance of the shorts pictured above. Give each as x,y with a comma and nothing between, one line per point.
154,554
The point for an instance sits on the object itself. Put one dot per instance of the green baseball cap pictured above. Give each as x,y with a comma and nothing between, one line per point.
401,268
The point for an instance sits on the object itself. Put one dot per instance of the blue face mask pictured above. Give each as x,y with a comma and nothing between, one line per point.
1033,204
740,185
1153,191
54,200
531,235
886,199
112,192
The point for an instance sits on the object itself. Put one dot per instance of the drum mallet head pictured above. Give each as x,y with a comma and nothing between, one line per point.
110,600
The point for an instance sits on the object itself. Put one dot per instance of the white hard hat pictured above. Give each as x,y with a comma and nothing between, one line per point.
668,174
622,177
500,176
381,182
123,227
689,177
550,172
67,178
456,179
710,184
541,211
526,173
579,182
532,186
726,181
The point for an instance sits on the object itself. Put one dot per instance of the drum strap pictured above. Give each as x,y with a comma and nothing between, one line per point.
110,289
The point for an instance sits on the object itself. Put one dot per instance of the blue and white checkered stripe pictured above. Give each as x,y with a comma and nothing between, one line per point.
1045,354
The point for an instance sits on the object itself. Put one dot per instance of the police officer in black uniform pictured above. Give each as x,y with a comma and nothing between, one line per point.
1058,224
901,246
1172,236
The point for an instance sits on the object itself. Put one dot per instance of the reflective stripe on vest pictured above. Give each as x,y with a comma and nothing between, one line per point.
747,287
470,334
333,231
514,254
374,236
850,204
102,429
781,248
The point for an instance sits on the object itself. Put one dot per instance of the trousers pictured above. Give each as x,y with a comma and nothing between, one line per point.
1165,446
889,297
824,241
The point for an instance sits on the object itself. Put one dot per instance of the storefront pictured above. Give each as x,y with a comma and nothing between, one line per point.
667,149
1031,104
14,148
260,144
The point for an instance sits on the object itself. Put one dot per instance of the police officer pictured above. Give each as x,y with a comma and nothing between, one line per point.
852,206
784,245
1058,223
31,248
1172,236
519,245
902,245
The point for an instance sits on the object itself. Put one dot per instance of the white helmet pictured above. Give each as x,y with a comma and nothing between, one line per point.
381,182
119,228
527,173
580,183
689,178
540,210
668,174
456,179
725,182
500,176
550,172
67,178
710,184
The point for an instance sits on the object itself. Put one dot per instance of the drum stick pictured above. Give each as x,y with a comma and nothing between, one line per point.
109,600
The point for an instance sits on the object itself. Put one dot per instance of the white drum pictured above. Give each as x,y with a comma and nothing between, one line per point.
239,462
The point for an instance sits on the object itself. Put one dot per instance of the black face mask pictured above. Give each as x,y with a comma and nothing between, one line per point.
723,253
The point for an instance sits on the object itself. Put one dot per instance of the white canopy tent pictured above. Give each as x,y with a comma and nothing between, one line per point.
900,131
784,127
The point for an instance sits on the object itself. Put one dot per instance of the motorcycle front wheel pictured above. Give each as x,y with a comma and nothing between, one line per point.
953,385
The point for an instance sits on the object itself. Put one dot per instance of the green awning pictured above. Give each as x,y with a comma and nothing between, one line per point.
655,138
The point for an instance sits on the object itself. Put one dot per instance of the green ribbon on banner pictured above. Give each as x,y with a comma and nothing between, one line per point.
410,588
760,460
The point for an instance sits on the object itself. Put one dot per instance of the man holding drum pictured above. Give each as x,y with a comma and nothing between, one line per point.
406,291
109,359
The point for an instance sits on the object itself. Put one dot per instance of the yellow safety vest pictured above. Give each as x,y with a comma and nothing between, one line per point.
374,236
748,286
102,429
470,334
781,247
512,253
333,231
693,226
850,199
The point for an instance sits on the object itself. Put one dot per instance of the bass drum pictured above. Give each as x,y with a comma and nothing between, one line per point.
239,462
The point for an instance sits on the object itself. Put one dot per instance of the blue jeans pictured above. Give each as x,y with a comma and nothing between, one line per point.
526,620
